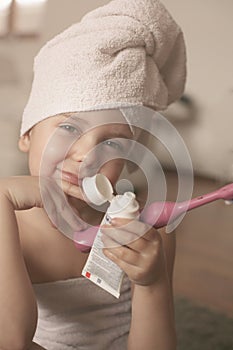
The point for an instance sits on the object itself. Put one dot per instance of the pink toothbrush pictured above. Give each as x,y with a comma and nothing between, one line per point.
159,214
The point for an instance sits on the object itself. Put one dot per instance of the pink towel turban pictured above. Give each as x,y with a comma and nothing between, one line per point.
128,52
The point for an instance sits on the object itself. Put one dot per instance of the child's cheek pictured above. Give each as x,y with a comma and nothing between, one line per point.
113,169
52,156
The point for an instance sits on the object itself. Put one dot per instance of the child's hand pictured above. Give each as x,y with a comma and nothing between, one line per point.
22,191
26,192
136,248
72,190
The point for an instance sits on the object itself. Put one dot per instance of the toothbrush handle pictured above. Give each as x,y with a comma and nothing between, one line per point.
202,200
225,192
158,214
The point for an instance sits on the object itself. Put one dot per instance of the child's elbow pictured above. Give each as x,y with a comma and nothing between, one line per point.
18,340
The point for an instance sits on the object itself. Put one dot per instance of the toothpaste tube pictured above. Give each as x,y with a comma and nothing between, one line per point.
98,268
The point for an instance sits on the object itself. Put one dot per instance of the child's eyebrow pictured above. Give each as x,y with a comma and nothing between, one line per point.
114,133
81,120
74,118
124,134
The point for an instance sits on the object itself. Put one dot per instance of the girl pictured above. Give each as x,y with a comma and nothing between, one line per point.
135,59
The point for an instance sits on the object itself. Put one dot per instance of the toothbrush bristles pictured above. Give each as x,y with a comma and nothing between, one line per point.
229,202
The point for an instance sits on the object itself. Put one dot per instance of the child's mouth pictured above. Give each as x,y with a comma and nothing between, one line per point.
69,177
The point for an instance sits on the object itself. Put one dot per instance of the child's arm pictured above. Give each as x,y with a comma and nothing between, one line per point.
153,307
144,261
18,316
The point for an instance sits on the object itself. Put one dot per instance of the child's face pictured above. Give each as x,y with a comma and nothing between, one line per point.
72,147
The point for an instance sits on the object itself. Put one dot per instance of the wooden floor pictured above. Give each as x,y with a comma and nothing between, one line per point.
204,261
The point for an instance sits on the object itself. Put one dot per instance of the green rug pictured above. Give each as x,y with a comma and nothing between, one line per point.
199,328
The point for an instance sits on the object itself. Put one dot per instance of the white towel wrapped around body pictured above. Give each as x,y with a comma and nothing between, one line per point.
124,53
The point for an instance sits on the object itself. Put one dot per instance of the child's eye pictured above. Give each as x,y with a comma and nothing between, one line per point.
113,144
69,128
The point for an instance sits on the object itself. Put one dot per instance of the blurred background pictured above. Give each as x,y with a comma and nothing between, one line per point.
203,117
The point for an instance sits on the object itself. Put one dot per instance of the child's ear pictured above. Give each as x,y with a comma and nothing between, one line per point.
24,142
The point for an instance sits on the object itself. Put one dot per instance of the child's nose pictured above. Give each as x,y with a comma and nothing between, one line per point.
82,147
84,151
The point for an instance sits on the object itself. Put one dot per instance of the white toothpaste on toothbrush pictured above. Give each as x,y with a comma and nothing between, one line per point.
98,268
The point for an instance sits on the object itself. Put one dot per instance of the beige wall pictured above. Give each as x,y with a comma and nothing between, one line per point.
208,29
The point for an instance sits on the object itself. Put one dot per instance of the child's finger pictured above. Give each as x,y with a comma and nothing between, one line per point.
131,226
123,255
59,209
127,260
118,236
72,190
140,228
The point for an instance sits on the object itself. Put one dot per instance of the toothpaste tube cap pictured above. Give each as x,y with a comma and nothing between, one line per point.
98,189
